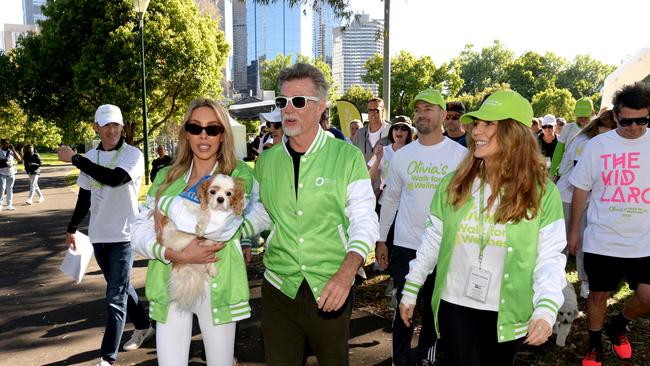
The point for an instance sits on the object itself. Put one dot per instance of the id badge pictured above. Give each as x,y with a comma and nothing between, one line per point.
478,284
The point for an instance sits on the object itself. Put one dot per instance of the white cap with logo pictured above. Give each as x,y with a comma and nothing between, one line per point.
108,113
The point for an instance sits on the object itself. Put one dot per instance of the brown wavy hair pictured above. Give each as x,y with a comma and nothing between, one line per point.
520,179
227,161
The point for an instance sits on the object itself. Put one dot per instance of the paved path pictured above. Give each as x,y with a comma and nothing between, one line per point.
45,319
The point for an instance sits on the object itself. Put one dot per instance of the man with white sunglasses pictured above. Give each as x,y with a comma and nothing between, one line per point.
317,191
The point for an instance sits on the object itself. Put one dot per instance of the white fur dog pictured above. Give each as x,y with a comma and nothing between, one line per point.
566,315
187,281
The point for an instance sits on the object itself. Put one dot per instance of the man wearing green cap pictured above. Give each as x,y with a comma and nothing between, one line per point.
584,111
415,172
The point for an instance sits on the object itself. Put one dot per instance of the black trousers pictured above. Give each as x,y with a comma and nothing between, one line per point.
468,337
289,325
399,264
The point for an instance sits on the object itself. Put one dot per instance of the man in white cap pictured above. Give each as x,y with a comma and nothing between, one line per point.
548,139
273,121
109,182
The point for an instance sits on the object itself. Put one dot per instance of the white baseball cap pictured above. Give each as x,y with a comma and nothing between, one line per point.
548,120
108,113
273,116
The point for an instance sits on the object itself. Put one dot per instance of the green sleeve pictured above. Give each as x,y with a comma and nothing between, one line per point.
557,159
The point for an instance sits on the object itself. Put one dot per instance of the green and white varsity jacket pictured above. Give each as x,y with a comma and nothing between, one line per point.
333,212
533,273
229,289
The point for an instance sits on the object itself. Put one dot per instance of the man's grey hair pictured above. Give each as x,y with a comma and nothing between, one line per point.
306,71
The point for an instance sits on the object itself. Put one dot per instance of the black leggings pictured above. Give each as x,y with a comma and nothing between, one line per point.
468,337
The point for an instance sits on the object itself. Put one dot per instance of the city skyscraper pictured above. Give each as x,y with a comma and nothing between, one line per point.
32,11
323,22
352,47
272,30
239,47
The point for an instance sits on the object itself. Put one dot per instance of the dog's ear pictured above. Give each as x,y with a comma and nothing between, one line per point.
237,198
202,192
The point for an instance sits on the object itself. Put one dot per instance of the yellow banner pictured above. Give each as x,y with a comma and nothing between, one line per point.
347,112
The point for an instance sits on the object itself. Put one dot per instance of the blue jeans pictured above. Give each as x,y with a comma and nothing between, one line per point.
115,261
8,186
33,186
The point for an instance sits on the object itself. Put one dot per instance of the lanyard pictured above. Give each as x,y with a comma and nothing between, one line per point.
481,217
111,165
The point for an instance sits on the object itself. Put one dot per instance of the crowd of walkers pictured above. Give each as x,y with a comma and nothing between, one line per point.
472,213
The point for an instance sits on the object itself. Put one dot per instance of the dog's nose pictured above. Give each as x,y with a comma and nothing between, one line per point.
220,199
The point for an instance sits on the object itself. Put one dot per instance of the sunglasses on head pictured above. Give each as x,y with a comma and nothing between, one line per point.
211,130
402,128
452,116
641,121
276,125
298,102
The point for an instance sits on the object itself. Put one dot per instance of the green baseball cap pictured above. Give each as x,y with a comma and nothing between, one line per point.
431,96
584,107
500,105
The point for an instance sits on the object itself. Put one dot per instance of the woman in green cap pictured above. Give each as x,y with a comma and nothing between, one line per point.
496,234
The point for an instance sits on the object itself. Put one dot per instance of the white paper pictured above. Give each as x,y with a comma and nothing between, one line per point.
76,261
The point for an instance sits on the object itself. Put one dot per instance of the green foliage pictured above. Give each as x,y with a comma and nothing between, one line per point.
584,77
16,126
532,73
340,7
252,125
270,71
358,96
410,75
6,79
487,68
88,53
558,102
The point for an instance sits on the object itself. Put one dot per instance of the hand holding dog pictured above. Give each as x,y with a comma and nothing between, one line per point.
195,253
538,332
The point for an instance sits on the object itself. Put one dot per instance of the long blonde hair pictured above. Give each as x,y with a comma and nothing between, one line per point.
519,180
227,161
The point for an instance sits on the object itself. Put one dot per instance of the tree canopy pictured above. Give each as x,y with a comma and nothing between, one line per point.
88,54
270,71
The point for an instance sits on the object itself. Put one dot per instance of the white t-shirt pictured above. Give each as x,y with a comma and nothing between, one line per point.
112,209
414,174
11,169
568,132
572,154
617,172
466,252
373,137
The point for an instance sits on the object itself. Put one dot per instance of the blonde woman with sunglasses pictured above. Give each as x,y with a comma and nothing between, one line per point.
205,147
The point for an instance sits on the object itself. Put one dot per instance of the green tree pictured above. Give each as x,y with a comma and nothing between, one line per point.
270,71
487,68
7,80
340,7
558,102
88,53
20,129
358,96
532,73
584,76
409,75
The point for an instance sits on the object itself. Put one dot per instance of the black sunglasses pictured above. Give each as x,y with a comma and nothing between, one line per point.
641,121
547,126
276,125
298,102
402,128
211,130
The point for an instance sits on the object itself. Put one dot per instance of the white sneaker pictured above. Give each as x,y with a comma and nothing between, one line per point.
11,208
139,336
101,362
584,289
29,201
41,199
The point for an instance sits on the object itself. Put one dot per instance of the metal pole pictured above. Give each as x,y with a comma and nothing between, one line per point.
145,129
386,78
